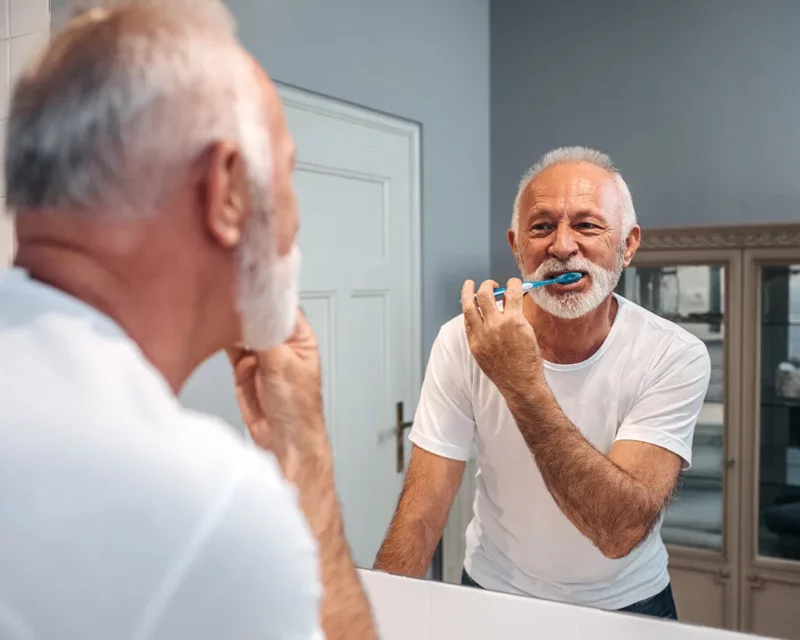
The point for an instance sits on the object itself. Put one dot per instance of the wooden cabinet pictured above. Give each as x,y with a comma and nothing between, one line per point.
733,528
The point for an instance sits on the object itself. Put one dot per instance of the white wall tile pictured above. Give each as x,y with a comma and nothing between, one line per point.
5,84
6,236
4,18
28,16
23,49
29,20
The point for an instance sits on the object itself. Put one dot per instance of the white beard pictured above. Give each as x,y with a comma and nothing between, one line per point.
268,291
574,304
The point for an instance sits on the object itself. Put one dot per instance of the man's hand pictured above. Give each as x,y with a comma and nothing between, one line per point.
279,394
503,342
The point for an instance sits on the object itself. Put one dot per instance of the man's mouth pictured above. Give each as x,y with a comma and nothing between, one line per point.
555,274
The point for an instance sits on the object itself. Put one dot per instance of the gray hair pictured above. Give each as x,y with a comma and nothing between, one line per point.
124,99
579,154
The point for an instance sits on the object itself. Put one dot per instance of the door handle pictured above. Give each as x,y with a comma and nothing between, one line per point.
756,580
399,429
722,576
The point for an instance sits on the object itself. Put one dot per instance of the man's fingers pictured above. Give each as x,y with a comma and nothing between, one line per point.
235,354
472,317
486,300
242,361
512,300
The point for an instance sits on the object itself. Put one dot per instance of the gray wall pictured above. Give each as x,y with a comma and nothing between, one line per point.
423,60
698,102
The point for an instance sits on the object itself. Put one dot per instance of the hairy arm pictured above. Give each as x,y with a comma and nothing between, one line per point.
613,500
345,610
431,485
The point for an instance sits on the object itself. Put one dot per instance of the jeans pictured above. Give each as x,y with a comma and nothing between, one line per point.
661,605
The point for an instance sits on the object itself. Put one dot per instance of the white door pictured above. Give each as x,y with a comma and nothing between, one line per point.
358,181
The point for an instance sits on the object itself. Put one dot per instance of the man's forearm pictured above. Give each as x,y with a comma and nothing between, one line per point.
430,486
408,548
346,611
605,503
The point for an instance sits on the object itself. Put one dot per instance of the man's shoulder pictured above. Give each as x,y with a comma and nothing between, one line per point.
213,440
453,333
644,323
652,334
210,448
205,445
451,346
253,530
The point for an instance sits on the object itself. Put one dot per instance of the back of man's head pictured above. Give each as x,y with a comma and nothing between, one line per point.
148,163
126,96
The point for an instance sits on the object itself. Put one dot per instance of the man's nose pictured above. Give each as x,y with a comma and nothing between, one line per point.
563,245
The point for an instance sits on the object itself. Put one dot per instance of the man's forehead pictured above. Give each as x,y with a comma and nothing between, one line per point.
573,183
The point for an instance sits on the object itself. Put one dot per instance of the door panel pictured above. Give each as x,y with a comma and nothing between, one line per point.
772,609
700,595
771,562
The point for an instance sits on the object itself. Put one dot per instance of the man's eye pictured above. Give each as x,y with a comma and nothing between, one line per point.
541,226
586,225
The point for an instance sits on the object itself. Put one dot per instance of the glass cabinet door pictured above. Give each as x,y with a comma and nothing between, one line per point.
771,491
779,428
693,296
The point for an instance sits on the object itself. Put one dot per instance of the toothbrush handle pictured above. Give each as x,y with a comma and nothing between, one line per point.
526,286
498,293
535,285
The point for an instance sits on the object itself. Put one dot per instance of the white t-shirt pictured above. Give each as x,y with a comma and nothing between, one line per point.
123,514
647,382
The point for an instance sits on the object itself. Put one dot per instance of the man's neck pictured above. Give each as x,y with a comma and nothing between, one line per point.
145,308
570,341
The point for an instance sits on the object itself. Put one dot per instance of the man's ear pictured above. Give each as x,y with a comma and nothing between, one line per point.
226,200
512,242
631,245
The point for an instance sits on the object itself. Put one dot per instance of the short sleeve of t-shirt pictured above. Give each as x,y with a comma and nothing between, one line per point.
444,422
666,411
250,570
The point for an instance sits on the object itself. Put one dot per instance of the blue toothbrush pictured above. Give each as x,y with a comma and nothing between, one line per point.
564,278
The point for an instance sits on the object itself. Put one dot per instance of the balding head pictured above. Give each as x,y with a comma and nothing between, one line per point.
146,144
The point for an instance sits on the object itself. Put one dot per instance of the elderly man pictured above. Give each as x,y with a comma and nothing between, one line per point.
582,403
149,164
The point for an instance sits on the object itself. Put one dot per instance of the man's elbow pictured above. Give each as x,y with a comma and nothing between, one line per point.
620,543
